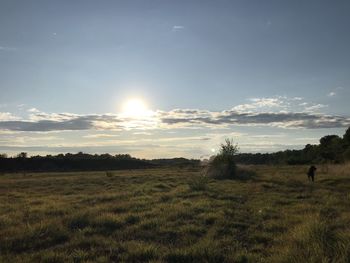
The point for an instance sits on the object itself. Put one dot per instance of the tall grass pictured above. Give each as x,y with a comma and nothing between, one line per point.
176,215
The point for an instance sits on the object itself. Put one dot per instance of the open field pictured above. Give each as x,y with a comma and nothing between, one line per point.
174,215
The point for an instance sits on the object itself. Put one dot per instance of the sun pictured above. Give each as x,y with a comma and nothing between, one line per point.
135,108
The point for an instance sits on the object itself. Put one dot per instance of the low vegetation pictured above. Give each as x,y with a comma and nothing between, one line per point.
176,215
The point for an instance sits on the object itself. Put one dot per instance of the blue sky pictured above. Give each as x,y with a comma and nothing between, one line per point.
270,74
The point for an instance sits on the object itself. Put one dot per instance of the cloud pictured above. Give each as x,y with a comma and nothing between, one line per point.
315,107
21,106
7,116
172,119
2,48
33,110
61,122
279,112
27,140
47,125
178,28
268,136
100,135
335,91
142,133
267,102
281,119
276,103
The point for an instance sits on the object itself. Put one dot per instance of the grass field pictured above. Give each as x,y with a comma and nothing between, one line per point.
175,215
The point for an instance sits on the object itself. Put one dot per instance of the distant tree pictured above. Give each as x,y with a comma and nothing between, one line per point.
123,156
346,138
3,155
22,155
331,148
346,144
106,156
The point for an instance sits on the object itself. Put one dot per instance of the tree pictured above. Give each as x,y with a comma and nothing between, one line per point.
327,140
346,137
223,165
331,148
22,155
228,148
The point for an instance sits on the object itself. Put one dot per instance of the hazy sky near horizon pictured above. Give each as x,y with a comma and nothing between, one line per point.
270,74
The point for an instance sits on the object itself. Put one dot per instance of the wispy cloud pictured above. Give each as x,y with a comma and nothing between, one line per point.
3,48
100,135
276,104
315,108
178,28
335,91
33,110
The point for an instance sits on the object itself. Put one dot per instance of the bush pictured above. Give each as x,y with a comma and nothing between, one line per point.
223,165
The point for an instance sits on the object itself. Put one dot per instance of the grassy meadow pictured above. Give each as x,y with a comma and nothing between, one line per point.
176,215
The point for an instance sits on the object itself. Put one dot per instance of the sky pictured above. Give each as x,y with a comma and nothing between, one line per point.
161,78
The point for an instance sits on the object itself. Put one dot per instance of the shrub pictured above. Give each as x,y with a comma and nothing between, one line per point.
223,165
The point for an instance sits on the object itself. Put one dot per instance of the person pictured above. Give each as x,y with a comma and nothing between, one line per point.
311,173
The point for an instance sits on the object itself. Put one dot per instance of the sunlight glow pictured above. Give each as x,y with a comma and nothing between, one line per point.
135,108
135,114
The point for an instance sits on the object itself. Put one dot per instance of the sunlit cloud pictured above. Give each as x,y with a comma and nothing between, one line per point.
33,110
100,135
315,108
7,116
272,112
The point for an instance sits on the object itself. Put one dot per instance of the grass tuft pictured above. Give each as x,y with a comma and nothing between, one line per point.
199,183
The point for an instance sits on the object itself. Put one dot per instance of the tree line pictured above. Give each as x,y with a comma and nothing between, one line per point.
83,162
331,149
